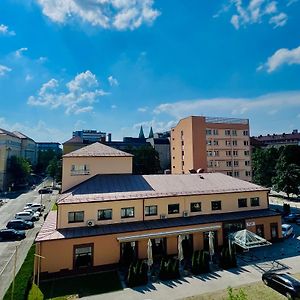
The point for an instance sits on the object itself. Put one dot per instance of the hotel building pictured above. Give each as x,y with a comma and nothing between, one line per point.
106,215
213,145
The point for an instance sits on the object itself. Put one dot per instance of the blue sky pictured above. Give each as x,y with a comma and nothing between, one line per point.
113,65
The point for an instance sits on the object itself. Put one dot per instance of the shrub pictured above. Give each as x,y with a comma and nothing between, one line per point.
239,296
200,262
228,260
169,269
137,274
35,293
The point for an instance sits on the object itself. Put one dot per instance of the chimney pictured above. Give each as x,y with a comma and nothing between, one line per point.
109,137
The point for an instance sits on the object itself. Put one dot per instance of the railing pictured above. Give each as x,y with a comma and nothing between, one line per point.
80,172
226,120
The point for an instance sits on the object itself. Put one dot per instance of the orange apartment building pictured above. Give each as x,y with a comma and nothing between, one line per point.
213,145
106,215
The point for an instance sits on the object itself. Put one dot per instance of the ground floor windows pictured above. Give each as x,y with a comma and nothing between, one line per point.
260,230
129,252
187,245
159,247
231,227
83,256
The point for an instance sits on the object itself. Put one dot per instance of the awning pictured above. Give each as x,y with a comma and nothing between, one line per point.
132,238
247,239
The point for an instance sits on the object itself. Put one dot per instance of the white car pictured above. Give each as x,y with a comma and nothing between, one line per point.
286,230
26,216
37,206
36,214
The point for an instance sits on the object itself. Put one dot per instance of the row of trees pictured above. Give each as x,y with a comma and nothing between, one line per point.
278,168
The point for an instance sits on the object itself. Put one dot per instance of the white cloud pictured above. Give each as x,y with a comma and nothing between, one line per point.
4,70
253,12
5,31
231,106
291,2
80,94
143,109
281,57
20,51
157,126
279,20
112,81
28,77
117,14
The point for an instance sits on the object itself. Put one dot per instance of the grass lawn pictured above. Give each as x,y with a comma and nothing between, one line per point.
54,207
253,291
83,285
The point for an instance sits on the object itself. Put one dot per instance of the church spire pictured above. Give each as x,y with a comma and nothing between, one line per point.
141,134
151,133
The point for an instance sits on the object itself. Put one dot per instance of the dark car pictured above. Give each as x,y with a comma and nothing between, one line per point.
19,224
45,191
285,284
292,217
12,235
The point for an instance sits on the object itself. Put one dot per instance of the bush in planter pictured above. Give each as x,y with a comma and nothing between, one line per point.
200,262
169,269
137,274
228,260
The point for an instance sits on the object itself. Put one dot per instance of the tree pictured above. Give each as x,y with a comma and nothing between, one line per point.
44,158
54,169
18,170
287,177
145,160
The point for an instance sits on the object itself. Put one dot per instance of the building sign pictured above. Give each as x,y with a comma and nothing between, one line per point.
249,224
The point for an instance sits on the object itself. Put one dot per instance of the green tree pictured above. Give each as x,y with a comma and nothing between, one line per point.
287,177
44,158
54,169
145,160
18,170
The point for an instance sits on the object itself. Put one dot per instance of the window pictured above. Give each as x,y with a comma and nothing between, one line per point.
234,132
248,173
227,132
208,131
254,201
242,202
75,216
80,170
104,214
215,132
236,174
195,206
216,143
235,153
246,143
228,163
216,153
127,212
234,142
247,153
245,132
211,163
209,142
229,173
247,163
227,143
182,143
228,153
181,133
182,153
151,210
83,256
209,153
216,205
173,208
236,163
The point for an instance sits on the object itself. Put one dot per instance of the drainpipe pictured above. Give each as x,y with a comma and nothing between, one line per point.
143,209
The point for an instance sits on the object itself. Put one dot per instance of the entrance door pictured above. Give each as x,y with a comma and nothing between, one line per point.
187,245
231,227
83,256
159,247
129,252
274,231
260,230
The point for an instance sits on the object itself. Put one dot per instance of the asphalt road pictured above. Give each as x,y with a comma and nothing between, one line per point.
7,249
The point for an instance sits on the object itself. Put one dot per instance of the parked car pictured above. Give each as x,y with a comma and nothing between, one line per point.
37,207
26,216
298,221
283,283
292,217
287,230
36,214
19,224
12,235
47,190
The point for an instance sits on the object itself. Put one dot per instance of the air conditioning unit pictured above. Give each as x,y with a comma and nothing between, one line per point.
185,214
163,216
90,223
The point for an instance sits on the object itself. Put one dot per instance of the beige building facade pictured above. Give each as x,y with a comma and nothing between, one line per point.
213,145
108,217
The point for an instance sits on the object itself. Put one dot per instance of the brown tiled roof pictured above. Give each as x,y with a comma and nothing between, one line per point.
127,186
49,232
74,140
96,149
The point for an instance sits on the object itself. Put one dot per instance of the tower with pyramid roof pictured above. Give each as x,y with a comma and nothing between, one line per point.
141,134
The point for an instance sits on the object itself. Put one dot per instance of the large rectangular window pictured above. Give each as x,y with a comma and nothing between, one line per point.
127,212
216,205
242,202
254,201
104,214
173,208
75,216
151,210
195,206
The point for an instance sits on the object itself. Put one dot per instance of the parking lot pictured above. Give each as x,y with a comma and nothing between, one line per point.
8,249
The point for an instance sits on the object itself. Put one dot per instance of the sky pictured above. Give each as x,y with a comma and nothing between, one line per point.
114,65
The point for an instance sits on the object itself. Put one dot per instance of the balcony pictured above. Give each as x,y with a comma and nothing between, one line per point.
80,172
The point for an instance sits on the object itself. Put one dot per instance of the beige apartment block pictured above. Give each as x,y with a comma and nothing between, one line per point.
213,145
106,215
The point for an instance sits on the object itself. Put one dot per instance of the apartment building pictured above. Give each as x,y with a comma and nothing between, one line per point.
106,215
211,145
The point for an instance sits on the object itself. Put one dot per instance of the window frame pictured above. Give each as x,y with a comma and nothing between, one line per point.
104,219
126,215
219,202
174,211
239,203
254,204
74,213
149,213
192,207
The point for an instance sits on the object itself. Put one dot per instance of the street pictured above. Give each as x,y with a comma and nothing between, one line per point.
7,249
